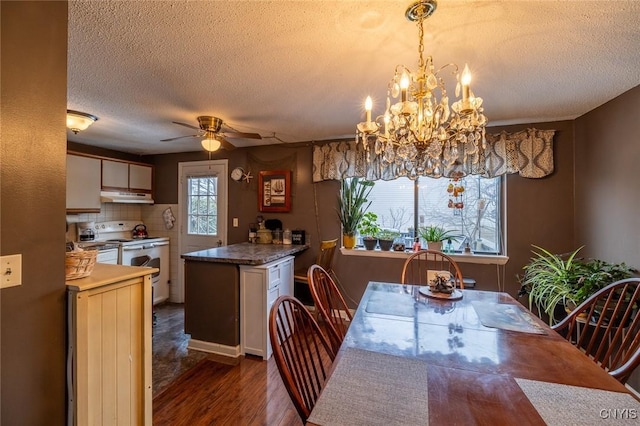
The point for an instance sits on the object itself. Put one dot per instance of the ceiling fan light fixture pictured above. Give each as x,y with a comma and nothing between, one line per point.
78,121
211,144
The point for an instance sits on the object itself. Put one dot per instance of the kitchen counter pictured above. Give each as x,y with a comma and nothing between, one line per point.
245,253
105,274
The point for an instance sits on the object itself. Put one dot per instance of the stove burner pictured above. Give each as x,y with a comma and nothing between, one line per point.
119,240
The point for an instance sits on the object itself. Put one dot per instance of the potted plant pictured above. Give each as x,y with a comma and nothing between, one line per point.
352,204
368,229
434,235
386,237
551,280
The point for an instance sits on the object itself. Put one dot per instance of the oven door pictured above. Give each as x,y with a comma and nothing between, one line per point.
156,256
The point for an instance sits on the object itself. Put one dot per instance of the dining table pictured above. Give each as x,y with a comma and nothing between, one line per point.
412,356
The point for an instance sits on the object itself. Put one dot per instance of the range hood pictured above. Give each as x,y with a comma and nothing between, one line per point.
125,197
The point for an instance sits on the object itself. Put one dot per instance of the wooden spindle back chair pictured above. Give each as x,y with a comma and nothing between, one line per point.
417,267
301,351
611,335
330,304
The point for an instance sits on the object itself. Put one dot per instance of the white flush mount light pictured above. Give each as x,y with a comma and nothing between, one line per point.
77,121
210,144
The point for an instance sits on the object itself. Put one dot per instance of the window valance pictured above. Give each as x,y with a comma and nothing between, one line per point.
528,153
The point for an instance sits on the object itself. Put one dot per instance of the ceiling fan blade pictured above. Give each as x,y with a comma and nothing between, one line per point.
179,137
186,125
242,135
225,143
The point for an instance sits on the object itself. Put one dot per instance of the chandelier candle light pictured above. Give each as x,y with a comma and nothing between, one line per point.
419,134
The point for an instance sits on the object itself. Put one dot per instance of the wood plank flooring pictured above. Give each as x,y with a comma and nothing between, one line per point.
218,390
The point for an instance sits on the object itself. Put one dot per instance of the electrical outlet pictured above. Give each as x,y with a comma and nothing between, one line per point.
10,270
235,222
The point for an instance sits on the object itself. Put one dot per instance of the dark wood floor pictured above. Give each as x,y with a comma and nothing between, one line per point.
192,388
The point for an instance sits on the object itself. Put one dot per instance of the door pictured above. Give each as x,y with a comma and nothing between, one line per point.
202,196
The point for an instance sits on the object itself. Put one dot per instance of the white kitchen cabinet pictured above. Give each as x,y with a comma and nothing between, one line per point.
126,176
115,174
260,286
109,354
140,177
83,184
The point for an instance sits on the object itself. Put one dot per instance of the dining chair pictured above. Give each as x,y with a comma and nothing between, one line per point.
611,336
419,267
324,259
331,305
301,351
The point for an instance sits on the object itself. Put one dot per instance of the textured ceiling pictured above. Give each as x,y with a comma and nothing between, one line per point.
301,69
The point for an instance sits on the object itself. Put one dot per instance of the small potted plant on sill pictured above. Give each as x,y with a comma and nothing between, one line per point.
352,205
386,237
434,236
564,281
369,230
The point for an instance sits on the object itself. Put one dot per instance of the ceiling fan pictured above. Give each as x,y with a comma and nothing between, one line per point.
210,128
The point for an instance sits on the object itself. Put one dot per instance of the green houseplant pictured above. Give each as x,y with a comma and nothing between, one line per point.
386,237
369,229
352,205
551,280
434,235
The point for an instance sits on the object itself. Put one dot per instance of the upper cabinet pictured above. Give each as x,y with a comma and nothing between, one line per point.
87,175
83,184
125,176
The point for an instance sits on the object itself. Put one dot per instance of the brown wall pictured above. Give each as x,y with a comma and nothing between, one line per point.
32,222
607,194
540,211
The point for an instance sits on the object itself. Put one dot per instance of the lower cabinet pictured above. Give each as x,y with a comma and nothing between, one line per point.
260,286
109,356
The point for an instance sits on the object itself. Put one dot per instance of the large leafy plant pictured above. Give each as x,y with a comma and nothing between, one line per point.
368,226
353,203
551,279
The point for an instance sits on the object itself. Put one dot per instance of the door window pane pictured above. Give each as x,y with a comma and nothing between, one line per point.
202,210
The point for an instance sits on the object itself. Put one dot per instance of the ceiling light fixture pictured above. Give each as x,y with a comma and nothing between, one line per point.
210,143
77,121
419,134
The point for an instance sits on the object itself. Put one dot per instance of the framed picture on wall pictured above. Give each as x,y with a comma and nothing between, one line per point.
274,191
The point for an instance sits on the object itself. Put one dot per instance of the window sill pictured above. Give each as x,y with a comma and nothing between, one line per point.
484,259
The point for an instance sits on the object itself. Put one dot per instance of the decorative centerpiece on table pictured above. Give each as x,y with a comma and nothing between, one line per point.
441,283
441,286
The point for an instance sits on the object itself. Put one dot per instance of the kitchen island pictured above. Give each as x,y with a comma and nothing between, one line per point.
213,283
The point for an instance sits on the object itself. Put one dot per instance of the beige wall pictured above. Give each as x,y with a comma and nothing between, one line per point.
32,218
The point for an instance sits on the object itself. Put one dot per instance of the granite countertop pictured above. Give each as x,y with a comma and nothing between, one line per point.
105,274
245,253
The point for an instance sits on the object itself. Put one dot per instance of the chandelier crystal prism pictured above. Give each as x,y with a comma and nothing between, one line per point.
419,134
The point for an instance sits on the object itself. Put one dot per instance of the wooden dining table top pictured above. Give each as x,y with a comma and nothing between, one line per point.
480,359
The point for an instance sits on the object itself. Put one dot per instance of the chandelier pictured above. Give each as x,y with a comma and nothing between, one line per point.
419,134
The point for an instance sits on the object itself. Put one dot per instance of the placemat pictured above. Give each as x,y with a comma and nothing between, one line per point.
572,405
506,316
370,388
387,303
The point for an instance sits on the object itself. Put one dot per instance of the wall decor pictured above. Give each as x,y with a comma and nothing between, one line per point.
274,191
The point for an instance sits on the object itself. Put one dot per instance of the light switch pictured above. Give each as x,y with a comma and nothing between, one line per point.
10,270
235,222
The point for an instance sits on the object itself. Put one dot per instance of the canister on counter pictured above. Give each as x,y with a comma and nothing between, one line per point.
286,237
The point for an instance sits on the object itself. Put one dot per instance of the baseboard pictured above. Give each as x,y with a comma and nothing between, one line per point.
214,348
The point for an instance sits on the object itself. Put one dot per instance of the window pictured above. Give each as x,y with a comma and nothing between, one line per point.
203,205
469,207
